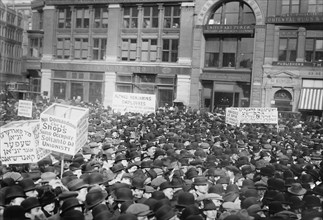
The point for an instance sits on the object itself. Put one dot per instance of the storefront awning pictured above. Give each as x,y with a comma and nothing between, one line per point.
311,99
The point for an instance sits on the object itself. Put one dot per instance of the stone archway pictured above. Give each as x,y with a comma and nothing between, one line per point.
208,6
283,99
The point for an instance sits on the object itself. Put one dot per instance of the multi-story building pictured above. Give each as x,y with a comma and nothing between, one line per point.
11,37
206,53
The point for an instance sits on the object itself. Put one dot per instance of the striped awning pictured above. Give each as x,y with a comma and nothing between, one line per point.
311,99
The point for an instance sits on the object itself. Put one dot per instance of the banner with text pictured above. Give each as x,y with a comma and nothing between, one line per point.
231,116
19,143
236,116
63,128
133,102
25,108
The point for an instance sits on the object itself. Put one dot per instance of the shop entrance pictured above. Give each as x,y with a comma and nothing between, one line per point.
77,90
283,100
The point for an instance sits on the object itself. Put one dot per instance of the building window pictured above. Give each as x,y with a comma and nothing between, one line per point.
229,52
315,6
41,20
172,16
81,48
63,48
36,47
149,50
101,17
130,17
82,18
231,13
99,48
170,50
314,50
290,6
150,17
64,18
129,49
287,46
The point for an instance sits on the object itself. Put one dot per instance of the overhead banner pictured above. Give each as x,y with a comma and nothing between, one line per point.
19,143
133,102
236,116
25,108
63,128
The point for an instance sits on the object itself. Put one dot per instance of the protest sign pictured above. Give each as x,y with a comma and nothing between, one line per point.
25,108
19,143
231,116
133,102
63,128
258,115
236,116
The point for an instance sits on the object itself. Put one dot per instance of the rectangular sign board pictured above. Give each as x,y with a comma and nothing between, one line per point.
64,128
236,116
25,108
19,143
133,102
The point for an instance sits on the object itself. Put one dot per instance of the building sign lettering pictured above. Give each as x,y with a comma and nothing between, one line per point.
296,18
284,63
228,29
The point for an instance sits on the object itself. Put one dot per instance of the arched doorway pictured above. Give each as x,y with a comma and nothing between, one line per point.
283,100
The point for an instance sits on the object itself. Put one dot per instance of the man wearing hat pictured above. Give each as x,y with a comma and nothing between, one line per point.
140,210
138,188
201,186
209,209
32,209
29,187
79,186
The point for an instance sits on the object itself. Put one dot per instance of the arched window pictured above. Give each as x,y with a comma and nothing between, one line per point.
283,95
232,13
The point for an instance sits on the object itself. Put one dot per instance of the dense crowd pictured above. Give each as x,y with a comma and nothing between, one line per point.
173,164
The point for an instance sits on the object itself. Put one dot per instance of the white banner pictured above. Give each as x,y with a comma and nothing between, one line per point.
63,128
235,116
231,116
25,108
19,143
133,102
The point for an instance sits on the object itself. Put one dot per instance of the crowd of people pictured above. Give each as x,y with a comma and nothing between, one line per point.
170,165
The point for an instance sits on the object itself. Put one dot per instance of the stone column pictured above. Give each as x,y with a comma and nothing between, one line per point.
276,44
301,44
109,88
45,85
113,32
49,32
183,89
186,33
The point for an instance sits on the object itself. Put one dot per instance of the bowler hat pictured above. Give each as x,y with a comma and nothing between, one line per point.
117,168
165,185
95,178
15,212
185,199
123,194
165,212
30,203
70,203
46,198
138,183
200,180
127,217
27,184
73,215
94,197
14,192
76,184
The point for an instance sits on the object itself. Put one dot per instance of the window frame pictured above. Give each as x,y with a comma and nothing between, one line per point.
172,17
131,18
64,22
100,20
85,21
317,6
170,50
101,48
149,49
151,17
63,49
129,50
81,49
290,6
313,51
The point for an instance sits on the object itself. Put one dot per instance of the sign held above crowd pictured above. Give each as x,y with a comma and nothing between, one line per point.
64,128
19,143
134,102
25,108
236,116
